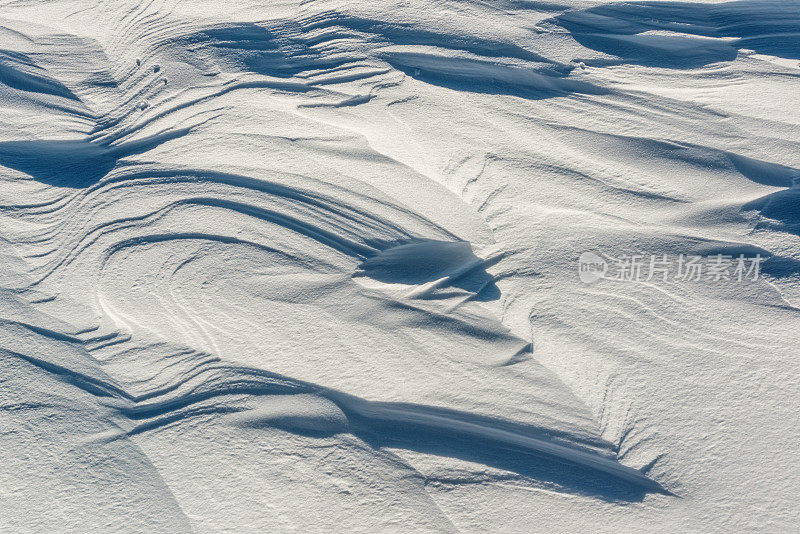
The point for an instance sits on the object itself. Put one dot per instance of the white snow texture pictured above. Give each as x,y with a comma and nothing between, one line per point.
313,265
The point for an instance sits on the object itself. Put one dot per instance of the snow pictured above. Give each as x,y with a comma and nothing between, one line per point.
279,266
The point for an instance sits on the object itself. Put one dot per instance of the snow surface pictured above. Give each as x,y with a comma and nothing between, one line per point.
313,266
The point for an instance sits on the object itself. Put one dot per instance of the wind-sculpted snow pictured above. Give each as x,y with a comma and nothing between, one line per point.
313,265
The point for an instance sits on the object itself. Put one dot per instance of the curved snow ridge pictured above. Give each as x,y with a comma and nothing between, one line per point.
352,229
397,424
407,420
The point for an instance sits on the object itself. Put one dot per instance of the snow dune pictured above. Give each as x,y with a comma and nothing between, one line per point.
313,266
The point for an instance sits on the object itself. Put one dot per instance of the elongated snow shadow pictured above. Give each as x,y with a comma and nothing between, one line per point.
20,72
78,163
576,464
569,478
545,455
502,80
63,163
684,35
529,452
